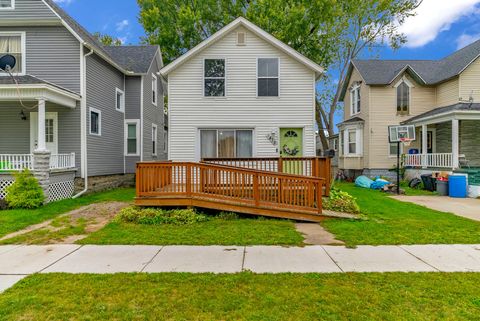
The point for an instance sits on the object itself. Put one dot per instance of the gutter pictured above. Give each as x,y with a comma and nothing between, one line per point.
83,122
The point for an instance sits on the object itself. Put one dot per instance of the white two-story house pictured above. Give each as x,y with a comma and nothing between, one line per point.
241,93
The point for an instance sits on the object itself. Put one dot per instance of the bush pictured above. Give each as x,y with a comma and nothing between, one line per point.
25,192
3,204
340,201
227,216
156,216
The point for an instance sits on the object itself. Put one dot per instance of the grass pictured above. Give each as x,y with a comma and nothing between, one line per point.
388,221
18,219
242,231
240,297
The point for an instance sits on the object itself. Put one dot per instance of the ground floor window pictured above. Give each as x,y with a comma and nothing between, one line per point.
132,134
95,122
351,142
226,143
154,139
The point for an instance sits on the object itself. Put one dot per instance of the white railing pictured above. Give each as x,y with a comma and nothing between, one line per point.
62,161
18,162
437,160
15,162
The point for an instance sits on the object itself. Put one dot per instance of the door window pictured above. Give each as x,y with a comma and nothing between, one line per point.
291,141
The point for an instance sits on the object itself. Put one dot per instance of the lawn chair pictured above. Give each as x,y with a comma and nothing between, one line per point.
463,161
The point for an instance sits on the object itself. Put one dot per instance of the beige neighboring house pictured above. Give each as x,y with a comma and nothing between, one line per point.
441,98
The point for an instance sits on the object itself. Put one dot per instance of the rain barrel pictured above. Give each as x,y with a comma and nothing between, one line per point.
457,186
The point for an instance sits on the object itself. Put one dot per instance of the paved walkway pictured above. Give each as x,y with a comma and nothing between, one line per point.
17,262
465,207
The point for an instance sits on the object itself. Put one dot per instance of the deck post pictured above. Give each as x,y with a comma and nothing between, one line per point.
41,143
320,196
280,165
256,191
188,177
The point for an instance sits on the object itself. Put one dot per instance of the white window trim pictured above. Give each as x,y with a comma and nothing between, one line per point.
390,155
137,123
99,112
23,40
257,78
358,142
12,6
224,78
354,110
155,139
165,141
122,102
244,38
217,129
155,89
410,86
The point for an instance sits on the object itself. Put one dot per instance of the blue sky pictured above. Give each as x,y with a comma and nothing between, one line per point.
439,28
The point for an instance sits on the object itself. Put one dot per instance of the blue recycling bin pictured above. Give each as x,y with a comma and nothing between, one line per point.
457,185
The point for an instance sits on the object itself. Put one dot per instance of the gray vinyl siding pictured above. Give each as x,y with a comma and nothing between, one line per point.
28,10
469,138
153,115
105,152
52,54
15,132
133,96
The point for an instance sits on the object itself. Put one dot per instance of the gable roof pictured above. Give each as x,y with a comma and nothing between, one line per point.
427,72
124,64
252,28
137,59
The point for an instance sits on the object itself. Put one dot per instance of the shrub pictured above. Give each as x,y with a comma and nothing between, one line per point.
340,201
227,216
25,192
3,204
156,216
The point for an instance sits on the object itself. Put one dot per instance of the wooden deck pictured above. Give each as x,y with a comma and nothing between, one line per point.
238,189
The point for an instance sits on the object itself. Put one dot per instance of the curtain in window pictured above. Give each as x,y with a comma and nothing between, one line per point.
226,143
208,141
12,45
244,143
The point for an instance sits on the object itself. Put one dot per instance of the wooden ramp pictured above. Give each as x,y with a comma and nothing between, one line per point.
229,188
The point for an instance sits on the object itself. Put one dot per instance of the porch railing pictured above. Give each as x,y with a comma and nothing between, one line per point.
18,162
436,160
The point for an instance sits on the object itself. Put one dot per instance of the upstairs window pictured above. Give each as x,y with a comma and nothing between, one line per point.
267,74
13,44
355,99
154,89
132,133
154,139
214,77
119,100
403,98
7,4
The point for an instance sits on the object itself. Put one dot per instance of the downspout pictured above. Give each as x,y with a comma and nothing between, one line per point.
83,121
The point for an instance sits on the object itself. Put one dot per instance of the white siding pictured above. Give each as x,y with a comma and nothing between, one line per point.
189,110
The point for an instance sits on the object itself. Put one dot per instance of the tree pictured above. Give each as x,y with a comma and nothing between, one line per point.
107,40
329,32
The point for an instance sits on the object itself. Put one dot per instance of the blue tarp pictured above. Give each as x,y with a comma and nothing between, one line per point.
363,181
379,184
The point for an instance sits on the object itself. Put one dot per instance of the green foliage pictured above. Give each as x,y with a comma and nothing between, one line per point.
227,216
107,40
340,201
25,192
156,216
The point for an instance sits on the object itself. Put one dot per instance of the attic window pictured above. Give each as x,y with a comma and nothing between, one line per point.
403,98
241,39
7,4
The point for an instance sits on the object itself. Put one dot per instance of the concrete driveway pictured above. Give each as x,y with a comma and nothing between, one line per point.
465,207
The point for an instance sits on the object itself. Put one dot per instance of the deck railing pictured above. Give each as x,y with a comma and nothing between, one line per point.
229,185
305,166
436,160
18,162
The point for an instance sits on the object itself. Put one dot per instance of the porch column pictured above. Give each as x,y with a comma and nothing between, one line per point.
41,144
424,146
455,143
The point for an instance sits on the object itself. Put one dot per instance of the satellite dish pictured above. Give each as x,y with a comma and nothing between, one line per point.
7,62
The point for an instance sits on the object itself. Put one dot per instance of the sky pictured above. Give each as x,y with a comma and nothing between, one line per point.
439,28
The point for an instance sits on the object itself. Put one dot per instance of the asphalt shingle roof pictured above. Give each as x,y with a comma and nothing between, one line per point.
133,58
29,80
446,109
113,55
352,120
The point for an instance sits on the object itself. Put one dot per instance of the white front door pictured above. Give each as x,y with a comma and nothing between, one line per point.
51,132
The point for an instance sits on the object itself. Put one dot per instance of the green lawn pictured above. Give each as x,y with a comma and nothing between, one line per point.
388,221
242,231
284,297
15,220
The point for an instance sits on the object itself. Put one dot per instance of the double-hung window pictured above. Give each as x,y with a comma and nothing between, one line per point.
214,77
355,99
7,4
352,141
12,43
226,143
154,139
154,89
268,77
132,133
95,122
119,100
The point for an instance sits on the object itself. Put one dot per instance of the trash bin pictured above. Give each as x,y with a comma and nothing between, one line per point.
429,182
442,187
457,186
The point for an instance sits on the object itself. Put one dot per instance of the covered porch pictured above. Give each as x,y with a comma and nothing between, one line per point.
39,131
447,139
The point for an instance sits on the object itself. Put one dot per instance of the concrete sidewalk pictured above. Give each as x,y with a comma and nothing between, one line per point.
18,261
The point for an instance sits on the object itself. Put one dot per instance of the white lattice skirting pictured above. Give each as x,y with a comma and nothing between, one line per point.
4,183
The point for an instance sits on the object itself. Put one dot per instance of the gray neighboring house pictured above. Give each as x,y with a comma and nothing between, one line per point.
76,111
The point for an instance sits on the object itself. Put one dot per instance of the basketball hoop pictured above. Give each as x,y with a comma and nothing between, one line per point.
406,141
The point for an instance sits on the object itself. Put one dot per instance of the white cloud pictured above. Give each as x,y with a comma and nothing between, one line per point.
466,39
122,24
435,16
